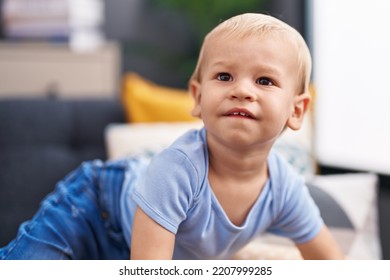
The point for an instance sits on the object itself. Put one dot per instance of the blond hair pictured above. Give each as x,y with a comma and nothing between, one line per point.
254,24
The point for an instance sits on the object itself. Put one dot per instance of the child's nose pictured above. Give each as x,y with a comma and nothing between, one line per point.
242,91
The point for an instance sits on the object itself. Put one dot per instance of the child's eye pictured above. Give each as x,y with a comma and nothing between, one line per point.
224,77
264,81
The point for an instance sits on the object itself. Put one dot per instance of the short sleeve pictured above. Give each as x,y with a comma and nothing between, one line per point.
299,218
166,191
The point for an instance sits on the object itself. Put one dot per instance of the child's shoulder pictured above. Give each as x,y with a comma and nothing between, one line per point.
188,149
192,143
280,169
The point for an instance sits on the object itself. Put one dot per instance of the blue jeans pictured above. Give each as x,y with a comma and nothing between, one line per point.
79,220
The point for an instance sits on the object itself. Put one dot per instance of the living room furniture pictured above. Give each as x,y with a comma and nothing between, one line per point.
41,140
54,69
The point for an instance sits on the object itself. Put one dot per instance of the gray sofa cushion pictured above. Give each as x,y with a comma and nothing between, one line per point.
41,140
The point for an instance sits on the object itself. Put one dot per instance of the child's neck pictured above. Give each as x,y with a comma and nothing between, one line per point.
236,166
238,163
237,180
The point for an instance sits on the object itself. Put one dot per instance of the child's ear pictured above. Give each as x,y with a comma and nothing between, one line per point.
300,106
196,95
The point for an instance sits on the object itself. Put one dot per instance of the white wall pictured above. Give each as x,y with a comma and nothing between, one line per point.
351,52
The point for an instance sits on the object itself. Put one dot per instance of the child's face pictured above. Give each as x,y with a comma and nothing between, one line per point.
248,91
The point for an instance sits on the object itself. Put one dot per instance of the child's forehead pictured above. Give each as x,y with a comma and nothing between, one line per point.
255,32
224,39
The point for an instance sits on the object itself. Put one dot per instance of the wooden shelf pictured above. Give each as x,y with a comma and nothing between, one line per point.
41,69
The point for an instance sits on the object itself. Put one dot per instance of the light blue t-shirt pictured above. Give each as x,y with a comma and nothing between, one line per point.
173,189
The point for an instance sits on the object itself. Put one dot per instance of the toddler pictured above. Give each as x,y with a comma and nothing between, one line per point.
214,189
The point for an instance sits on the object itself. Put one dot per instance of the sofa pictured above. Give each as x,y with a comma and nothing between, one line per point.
41,140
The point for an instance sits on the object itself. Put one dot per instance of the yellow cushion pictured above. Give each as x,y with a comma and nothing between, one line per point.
145,101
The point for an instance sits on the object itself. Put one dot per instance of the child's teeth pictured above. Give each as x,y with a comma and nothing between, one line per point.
240,114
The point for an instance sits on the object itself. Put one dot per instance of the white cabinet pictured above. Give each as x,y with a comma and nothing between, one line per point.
41,69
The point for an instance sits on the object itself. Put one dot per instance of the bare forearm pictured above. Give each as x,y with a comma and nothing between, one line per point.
322,247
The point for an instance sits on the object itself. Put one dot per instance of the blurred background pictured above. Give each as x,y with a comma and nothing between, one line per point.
157,39
82,49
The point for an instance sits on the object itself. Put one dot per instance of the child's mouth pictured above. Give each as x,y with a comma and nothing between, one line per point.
240,113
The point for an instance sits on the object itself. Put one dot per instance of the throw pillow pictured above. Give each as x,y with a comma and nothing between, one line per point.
145,101
348,205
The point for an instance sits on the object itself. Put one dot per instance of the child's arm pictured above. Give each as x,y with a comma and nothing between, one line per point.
149,239
322,247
